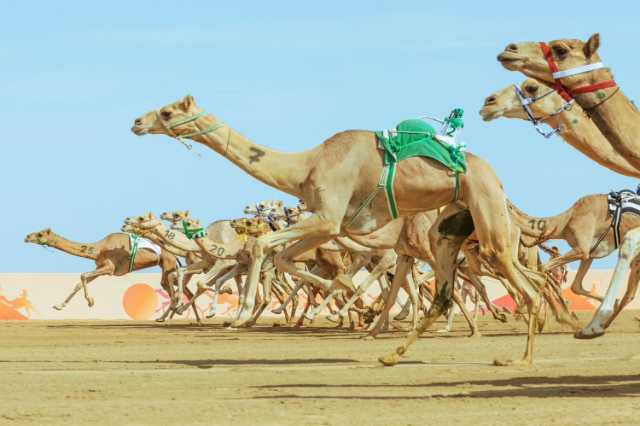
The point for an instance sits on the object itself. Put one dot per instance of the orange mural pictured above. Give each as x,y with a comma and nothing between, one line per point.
10,309
140,301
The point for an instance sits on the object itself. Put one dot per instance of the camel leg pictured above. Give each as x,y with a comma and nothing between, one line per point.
482,291
284,304
403,267
465,313
576,285
87,277
628,251
386,262
75,291
630,294
446,248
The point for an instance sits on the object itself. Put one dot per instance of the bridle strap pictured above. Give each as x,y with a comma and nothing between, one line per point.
169,126
566,93
526,102
578,70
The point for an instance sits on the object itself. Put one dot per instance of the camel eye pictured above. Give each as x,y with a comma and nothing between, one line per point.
165,115
531,89
560,51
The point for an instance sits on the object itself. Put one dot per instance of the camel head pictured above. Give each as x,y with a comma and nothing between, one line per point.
175,120
175,216
529,58
42,238
190,223
142,223
251,226
265,208
507,103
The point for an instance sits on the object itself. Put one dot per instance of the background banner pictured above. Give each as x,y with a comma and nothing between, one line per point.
139,296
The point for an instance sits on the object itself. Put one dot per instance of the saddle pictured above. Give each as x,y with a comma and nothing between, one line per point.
620,202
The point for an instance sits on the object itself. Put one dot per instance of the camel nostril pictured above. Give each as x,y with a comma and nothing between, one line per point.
490,100
138,122
512,47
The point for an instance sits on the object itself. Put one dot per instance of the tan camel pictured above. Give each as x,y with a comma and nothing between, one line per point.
574,128
572,124
574,69
335,190
113,257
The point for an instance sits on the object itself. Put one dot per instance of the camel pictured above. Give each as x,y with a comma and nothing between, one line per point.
113,255
334,179
572,124
507,103
573,67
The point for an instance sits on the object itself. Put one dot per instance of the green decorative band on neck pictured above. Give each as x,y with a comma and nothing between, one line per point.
192,233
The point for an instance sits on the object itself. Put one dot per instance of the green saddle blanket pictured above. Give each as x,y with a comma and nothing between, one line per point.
416,138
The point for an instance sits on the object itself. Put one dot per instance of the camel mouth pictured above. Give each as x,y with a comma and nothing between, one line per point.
488,114
139,130
510,60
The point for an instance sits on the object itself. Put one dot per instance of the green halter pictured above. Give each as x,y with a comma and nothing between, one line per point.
193,233
182,121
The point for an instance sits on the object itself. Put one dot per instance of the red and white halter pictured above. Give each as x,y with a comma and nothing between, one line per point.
566,93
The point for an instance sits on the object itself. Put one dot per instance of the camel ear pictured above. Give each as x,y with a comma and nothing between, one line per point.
48,230
188,102
592,45
188,213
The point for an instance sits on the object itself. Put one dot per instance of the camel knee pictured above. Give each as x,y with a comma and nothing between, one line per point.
282,262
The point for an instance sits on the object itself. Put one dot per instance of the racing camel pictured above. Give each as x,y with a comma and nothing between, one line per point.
334,180
573,67
115,255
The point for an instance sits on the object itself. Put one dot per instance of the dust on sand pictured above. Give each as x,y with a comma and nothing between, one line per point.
103,373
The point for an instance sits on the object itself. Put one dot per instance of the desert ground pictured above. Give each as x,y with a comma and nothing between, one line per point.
130,373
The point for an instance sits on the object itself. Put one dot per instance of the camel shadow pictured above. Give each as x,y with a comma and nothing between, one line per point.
610,386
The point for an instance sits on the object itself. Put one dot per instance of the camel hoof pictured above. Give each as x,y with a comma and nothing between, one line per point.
276,311
160,319
58,307
389,360
91,302
502,318
475,334
369,338
587,336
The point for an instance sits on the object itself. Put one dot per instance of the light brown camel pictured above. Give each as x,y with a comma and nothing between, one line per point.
112,256
335,178
573,124
574,68
408,236
575,128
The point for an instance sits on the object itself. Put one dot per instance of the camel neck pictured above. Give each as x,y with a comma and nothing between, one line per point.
618,120
581,133
88,251
541,228
175,238
283,171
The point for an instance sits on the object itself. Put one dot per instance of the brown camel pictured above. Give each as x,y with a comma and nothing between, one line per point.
573,67
334,190
596,220
113,257
572,124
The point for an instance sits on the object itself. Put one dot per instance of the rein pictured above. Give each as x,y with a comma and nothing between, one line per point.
171,125
526,101
566,93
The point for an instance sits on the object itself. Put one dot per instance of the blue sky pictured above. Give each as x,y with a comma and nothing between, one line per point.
74,75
